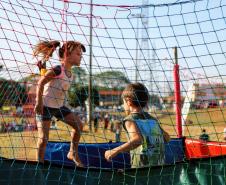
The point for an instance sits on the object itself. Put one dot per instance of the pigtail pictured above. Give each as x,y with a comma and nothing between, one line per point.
44,49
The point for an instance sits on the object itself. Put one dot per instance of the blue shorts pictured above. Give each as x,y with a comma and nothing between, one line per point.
49,112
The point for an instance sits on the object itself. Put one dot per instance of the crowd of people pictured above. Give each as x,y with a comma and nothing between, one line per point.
105,122
17,126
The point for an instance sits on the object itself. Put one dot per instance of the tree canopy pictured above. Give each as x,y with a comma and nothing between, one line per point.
111,80
12,93
78,94
107,80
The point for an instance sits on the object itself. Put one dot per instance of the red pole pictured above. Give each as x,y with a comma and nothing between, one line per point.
177,95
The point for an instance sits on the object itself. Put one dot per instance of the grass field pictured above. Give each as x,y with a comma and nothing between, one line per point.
22,145
213,120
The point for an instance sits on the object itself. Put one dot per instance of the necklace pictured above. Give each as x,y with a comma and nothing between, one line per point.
68,73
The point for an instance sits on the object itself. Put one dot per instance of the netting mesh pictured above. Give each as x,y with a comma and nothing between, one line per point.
130,43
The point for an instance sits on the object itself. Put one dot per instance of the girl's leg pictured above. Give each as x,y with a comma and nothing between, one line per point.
75,122
43,137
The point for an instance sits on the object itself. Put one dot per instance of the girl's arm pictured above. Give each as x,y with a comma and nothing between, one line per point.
49,75
135,140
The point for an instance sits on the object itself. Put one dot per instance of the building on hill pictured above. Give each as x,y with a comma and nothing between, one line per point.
208,95
110,97
169,101
28,107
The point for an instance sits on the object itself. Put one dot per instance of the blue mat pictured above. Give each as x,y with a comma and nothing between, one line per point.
92,155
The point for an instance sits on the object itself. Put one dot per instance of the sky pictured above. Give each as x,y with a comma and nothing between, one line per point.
126,36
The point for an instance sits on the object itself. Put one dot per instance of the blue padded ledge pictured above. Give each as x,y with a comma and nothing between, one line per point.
92,155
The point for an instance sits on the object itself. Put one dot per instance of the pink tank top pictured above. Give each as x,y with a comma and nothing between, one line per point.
55,91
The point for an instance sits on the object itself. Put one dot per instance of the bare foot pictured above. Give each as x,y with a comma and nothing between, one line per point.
75,158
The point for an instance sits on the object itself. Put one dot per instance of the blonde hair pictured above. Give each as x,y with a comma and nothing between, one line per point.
46,48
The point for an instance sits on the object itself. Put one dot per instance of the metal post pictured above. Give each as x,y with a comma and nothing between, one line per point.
177,95
90,69
137,43
137,16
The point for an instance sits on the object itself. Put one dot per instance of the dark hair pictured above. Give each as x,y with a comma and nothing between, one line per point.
137,93
46,48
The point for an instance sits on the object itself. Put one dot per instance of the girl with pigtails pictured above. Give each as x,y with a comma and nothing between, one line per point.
51,91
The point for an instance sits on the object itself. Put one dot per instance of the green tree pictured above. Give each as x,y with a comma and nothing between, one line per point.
12,93
78,94
3,89
155,100
20,95
111,80
80,75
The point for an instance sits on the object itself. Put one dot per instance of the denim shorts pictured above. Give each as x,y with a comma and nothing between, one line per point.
49,112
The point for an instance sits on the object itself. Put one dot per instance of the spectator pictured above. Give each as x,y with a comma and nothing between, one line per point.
204,136
95,121
117,130
106,121
112,123
2,127
225,133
